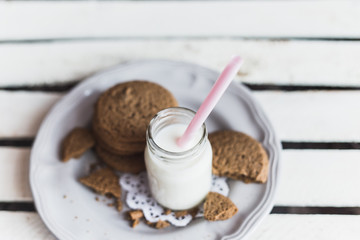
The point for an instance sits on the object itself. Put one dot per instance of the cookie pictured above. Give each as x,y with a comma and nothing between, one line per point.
124,148
161,224
181,213
238,156
76,143
119,205
122,113
135,223
167,212
129,164
103,181
218,207
193,212
136,214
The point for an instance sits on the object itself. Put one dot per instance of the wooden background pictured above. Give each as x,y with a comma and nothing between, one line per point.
301,61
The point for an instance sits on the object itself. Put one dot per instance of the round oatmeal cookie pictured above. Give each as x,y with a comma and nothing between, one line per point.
122,148
123,112
129,163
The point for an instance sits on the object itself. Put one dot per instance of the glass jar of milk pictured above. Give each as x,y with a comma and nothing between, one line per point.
179,178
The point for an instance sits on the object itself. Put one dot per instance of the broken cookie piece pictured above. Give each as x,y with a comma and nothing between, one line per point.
78,141
103,181
239,156
218,207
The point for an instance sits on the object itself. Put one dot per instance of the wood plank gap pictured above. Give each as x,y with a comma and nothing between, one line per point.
16,142
142,38
17,206
30,207
316,210
57,87
293,88
64,87
27,142
320,145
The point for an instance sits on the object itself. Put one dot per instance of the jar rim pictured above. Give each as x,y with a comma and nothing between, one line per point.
170,154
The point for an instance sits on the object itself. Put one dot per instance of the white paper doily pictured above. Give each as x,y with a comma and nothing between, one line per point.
139,197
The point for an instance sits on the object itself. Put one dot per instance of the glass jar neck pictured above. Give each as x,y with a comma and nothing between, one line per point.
167,117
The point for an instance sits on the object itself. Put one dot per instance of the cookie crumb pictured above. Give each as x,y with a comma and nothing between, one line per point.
119,205
97,199
181,213
136,214
135,217
108,195
193,211
135,223
64,196
161,224
110,204
167,211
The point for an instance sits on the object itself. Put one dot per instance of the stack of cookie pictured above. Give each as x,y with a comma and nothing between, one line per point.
122,115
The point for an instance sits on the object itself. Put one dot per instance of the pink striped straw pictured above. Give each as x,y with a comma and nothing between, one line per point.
211,100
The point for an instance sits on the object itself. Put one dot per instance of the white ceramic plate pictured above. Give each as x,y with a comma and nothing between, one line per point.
80,217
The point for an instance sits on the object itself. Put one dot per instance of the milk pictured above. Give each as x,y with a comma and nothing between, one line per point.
166,138
182,178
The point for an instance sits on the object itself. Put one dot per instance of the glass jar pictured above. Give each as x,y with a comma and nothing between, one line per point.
179,179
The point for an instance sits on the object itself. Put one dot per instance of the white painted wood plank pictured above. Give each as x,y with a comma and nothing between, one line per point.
296,116
21,225
14,174
266,62
23,112
308,177
319,178
310,227
31,20
313,115
280,227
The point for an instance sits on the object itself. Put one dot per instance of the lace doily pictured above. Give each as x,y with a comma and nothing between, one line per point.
139,197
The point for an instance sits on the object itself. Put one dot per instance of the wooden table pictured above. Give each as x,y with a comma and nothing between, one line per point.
302,63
